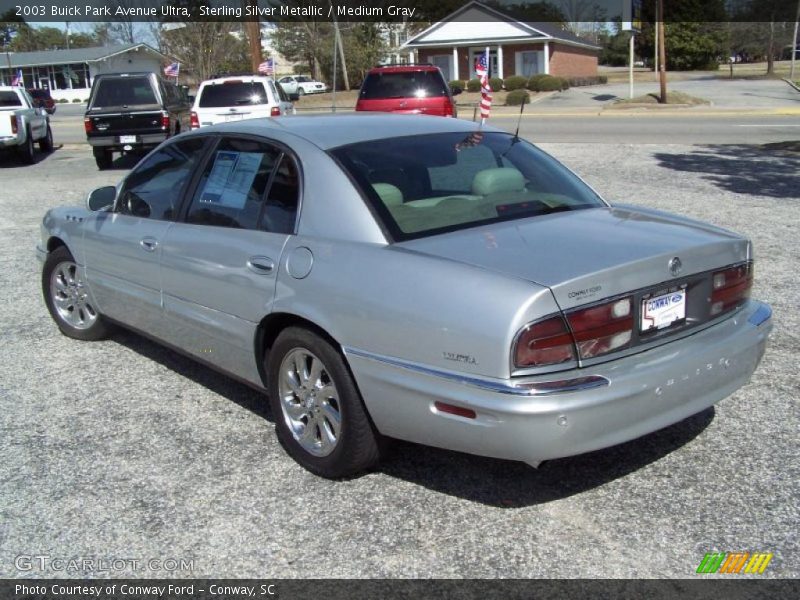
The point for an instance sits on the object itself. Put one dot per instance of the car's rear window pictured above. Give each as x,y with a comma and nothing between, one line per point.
425,185
124,91
403,84
9,99
233,93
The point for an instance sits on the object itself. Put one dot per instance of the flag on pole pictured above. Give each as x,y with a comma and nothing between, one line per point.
17,79
172,70
482,71
267,67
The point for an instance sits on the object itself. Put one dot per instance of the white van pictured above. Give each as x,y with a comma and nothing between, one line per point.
236,98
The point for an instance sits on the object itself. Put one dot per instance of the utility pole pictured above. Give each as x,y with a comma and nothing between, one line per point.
655,47
662,55
253,31
794,41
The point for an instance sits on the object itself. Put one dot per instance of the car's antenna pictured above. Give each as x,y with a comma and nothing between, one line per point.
519,119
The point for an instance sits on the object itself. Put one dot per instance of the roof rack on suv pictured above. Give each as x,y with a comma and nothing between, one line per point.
406,64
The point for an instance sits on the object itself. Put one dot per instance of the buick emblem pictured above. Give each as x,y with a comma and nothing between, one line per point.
675,266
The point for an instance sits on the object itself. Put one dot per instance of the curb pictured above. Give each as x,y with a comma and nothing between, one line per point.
792,84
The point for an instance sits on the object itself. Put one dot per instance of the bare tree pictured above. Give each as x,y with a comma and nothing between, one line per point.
206,48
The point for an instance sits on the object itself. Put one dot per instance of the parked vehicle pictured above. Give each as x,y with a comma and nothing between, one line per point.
414,278
301,85
43,98
22,124
131,112
409,89
236,98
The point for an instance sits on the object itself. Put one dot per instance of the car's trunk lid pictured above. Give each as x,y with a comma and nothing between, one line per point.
586,255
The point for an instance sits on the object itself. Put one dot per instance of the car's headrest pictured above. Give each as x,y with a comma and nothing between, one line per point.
389,194
502,179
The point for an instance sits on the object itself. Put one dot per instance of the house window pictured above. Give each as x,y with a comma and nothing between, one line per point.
444,62
529,63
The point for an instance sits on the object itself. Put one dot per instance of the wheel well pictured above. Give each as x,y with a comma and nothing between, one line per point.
270,328
54,243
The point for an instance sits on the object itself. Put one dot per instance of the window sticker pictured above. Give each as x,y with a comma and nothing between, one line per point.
231,178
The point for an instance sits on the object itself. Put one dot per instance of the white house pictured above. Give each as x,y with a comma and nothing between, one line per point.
68,74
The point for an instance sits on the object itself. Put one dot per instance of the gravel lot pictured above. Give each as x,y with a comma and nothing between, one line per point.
121,449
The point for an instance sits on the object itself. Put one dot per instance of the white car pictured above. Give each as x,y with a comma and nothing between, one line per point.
22,123
236,98
300,85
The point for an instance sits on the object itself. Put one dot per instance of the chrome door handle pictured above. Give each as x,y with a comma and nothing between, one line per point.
260,264
149,244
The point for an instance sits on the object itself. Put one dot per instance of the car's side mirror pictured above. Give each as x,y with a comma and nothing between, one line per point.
455,90
101,198
294,97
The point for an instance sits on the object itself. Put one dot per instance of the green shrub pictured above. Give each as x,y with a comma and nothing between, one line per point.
496,83
586,80
517,97
544,83
62,101
459,83
515,82
77,101
602,79
474,85
564,83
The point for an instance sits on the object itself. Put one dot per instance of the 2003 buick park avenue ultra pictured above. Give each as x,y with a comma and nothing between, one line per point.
410,277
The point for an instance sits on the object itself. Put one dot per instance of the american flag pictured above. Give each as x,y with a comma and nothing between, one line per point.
482,71
17,79
172,70
267,67
473,139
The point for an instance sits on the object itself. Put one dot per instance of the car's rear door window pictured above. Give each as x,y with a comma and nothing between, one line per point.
403,84
233,93
246,185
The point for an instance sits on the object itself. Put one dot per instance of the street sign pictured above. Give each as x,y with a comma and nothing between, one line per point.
632,15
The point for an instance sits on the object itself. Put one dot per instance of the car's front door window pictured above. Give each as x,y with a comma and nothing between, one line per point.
154,189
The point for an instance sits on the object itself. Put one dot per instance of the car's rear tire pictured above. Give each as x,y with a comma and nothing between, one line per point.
103,157
68,300
300,91
46,143
27,154
319,415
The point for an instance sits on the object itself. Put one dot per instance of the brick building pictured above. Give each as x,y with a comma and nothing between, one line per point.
515,47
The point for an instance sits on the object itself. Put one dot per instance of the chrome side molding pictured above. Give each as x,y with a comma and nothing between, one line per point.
537,388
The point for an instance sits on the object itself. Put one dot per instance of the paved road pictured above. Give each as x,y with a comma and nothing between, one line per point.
122,449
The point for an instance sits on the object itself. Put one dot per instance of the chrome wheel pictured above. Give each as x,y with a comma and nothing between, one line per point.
70,298
309,402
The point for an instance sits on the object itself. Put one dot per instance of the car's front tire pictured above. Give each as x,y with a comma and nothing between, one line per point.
68,300
104,158
46,143
319,415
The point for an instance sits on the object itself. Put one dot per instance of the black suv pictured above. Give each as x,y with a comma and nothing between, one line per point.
130,112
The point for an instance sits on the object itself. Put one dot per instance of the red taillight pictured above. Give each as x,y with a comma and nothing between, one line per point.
14,124
448,108
165,121
547,342
275,111
602,329
87,124
194,121
731,287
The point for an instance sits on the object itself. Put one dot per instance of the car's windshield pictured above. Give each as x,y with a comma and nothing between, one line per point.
425,185
232,93
124,91
403,84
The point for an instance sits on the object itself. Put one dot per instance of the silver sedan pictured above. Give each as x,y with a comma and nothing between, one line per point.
410,277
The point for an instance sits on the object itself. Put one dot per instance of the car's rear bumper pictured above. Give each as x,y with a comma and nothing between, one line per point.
534,419
10,141
146,140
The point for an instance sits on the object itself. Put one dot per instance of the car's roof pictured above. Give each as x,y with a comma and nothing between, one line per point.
246,78
403,68
331,131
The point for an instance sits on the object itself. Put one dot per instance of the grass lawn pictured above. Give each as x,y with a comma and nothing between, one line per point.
672,98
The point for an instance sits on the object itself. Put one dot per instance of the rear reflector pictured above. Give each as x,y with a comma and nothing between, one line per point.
602,329
731,288
547,342
458,411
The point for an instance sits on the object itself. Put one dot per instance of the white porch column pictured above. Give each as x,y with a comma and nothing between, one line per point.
547,58
499,61
455,63
411,57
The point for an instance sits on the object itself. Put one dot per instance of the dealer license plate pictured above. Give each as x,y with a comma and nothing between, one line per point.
233,117
127,139
662,311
